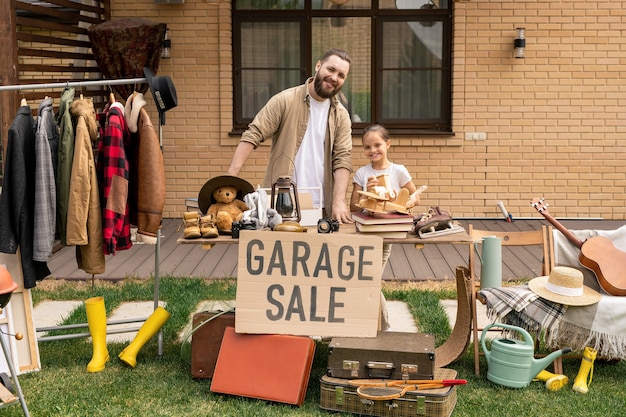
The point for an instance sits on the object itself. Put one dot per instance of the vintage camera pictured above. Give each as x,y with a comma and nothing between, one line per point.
327,225
238,226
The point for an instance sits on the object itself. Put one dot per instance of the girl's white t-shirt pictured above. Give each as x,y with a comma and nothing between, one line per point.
309,161
398,175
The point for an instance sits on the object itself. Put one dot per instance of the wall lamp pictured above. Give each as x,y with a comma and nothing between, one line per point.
520,43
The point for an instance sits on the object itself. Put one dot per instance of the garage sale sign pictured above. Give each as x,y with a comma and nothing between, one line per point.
308,284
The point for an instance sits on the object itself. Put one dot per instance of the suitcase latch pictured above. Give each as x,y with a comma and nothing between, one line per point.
338,395
352,366
406,369
420,405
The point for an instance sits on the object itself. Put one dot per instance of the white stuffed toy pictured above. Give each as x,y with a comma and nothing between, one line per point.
273,218
259,211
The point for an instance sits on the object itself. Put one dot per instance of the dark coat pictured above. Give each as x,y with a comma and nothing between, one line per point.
17,205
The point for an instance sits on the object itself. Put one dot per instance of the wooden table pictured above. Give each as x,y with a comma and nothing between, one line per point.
455,238
433,258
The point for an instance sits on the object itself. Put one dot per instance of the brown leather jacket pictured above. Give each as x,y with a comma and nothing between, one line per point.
147,177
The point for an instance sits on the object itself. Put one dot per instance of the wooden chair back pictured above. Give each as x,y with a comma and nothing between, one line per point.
541,237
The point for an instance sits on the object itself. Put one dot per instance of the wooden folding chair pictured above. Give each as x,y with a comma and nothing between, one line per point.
542,237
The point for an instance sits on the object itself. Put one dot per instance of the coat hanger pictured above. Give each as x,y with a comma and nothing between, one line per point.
111,95
23,102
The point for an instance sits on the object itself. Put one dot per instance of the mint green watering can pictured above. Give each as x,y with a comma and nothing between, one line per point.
512,362
490,261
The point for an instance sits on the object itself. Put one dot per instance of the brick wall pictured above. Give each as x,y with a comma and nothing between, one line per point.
554,122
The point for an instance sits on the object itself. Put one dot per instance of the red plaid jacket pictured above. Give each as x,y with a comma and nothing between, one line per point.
112,167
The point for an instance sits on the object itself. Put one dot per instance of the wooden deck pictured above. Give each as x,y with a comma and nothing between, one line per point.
433,262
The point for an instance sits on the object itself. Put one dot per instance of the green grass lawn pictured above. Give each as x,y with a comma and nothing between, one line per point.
164,387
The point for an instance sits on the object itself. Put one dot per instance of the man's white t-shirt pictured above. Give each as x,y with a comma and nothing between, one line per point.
309,162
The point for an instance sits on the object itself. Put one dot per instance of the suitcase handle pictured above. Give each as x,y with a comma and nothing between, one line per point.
376,369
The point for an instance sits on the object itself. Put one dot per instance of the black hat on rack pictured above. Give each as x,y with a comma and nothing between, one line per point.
163,92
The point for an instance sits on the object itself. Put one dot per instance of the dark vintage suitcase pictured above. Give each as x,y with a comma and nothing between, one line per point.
390,355
337,394
206,340
264,366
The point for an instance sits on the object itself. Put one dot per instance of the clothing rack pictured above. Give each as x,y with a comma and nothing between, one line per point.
79,84
157,251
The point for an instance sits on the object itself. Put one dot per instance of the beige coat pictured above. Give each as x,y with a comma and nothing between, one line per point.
84,216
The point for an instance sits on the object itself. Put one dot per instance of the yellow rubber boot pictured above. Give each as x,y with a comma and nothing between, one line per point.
149,328
586,370
97,323
554,382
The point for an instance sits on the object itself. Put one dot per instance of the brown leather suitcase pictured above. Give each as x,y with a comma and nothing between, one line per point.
207,339
338,394
390,355
264,366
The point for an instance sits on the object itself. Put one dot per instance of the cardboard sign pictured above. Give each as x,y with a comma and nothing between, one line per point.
308,284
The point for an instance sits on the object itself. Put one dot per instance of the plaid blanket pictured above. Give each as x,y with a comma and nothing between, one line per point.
519,306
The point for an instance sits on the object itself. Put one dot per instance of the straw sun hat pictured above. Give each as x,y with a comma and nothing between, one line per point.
564,286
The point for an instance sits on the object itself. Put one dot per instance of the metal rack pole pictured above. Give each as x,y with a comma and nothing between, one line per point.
157,255
16,383
50,86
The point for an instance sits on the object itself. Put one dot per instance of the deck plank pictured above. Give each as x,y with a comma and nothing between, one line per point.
221,260
398,264
212,259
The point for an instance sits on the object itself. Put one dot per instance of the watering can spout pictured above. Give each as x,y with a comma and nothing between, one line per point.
540,364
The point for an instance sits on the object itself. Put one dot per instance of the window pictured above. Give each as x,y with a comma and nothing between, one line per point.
401,57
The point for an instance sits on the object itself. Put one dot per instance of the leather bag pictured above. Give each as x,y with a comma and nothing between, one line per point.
207,339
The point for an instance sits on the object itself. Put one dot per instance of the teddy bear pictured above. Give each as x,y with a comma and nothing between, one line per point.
227,208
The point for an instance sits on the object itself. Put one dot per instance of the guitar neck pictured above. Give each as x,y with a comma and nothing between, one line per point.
569,235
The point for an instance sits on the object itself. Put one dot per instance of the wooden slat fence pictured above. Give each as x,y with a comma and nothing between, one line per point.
49,43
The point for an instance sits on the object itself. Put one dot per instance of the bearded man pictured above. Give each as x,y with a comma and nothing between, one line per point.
311,136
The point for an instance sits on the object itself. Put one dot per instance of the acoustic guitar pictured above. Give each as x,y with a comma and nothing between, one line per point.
597,253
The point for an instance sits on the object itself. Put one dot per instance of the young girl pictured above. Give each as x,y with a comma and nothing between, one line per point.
376,143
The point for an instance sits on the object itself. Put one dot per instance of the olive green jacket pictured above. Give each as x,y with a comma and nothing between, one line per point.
284,119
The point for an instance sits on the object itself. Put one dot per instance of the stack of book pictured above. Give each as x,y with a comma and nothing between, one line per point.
389,225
